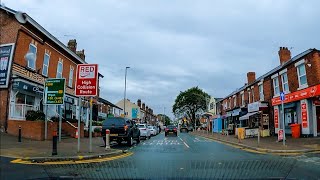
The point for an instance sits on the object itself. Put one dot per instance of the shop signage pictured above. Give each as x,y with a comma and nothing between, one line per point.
280,134
22,86
298,95
101,114
252,107
276,118
236,112
54,91
304,115
6,52
87,80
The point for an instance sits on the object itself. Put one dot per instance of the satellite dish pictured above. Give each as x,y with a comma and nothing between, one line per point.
29,56
20,16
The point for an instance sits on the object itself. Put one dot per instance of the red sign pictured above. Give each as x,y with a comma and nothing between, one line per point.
276,118
87,80
298,95
280,134
304,115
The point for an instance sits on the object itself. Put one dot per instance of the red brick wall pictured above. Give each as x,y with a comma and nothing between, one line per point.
31,129
3,107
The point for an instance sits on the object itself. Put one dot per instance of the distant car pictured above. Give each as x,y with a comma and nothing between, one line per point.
171,129
184,128
153,130
190,128
144,131
121,129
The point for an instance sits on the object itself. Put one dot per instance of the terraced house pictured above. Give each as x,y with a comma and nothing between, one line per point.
29,55
256,105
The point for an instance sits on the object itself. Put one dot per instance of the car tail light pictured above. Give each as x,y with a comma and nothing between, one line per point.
167,129
175,129
125,127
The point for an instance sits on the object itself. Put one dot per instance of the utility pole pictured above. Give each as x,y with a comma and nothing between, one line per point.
125,91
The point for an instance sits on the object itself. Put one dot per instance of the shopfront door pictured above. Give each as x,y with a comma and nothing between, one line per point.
318,118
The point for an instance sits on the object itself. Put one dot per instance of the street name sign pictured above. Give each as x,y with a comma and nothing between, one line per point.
54,91
86,80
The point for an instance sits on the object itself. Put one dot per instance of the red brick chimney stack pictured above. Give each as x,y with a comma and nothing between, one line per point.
251,77
72,45
139,103
81,54
284,55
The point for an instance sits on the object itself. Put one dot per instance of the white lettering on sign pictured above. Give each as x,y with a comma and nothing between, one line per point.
87,72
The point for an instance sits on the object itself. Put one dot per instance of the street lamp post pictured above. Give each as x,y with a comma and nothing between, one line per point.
125,91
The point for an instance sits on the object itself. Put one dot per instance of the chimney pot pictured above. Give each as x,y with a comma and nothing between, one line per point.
72,45
139,103
81,54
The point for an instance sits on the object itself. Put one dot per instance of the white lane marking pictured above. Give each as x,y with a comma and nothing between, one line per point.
184,142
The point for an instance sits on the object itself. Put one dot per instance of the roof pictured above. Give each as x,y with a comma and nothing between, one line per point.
274,70
108,103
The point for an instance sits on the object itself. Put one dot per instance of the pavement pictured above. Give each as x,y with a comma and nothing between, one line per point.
186,156
268,144
41,151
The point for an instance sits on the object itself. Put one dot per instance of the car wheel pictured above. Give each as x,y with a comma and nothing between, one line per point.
130,141
149,136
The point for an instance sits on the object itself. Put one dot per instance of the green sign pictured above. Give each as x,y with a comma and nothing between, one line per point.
54,91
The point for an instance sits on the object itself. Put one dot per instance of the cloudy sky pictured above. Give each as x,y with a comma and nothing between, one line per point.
172,45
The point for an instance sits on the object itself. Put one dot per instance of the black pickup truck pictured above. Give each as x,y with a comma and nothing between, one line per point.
121,129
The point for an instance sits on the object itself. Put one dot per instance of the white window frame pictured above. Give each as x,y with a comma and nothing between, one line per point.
242,99
302,86
35,57
249,96
274,86
261,94
47,65
234,101
284,83
61,62
70,80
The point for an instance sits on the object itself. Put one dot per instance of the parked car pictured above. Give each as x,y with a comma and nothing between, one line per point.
171,129
184,128
144,131
121,129
153,130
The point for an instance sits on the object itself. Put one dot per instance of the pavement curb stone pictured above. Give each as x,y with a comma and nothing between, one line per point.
261,149
73,158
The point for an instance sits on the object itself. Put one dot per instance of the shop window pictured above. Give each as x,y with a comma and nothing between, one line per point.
302,76
32,62
261,96
70,77
23,103
285,85
59,69
276,89
45,64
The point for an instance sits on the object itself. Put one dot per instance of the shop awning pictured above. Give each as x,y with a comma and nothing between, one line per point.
247,115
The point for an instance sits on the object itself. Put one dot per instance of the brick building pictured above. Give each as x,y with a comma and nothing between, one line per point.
256,104
35,55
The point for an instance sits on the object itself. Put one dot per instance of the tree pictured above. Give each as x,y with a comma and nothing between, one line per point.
165,119
190,103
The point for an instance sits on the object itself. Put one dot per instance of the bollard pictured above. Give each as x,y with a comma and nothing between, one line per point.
107,139
19,137
54,143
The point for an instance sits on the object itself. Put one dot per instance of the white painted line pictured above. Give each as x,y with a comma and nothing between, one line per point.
184,143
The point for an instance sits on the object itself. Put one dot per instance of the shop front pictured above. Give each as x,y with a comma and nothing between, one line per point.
300,108
256,120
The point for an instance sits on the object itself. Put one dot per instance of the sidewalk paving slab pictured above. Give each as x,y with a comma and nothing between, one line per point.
268,144
33,150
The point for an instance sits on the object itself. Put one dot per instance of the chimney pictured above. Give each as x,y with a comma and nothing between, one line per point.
147,109
251,77
81,54
72,45
139,103
143,106
284,55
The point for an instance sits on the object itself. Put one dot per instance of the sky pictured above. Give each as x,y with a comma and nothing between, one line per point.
173,45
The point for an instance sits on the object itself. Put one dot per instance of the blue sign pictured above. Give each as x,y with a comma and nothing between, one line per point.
134,113
282,96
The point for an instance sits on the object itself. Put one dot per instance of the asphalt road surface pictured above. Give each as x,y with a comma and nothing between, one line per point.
182,157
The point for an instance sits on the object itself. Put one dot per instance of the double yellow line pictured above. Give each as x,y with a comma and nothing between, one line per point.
96,160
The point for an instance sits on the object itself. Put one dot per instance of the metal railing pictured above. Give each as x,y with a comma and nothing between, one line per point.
19,111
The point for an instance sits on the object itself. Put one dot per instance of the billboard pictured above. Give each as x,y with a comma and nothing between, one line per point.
86,80
6,53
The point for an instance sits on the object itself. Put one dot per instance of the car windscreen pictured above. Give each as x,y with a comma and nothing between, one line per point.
115,121
142,126
171,126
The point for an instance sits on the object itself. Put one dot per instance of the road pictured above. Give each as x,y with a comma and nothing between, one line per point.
182,157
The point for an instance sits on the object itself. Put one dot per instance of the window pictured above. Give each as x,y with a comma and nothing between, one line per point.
70,77
261,96
32,60
229,103
285,85
276,89
302,75
234,101
242,99
59,69
249,96
252,92
45,64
